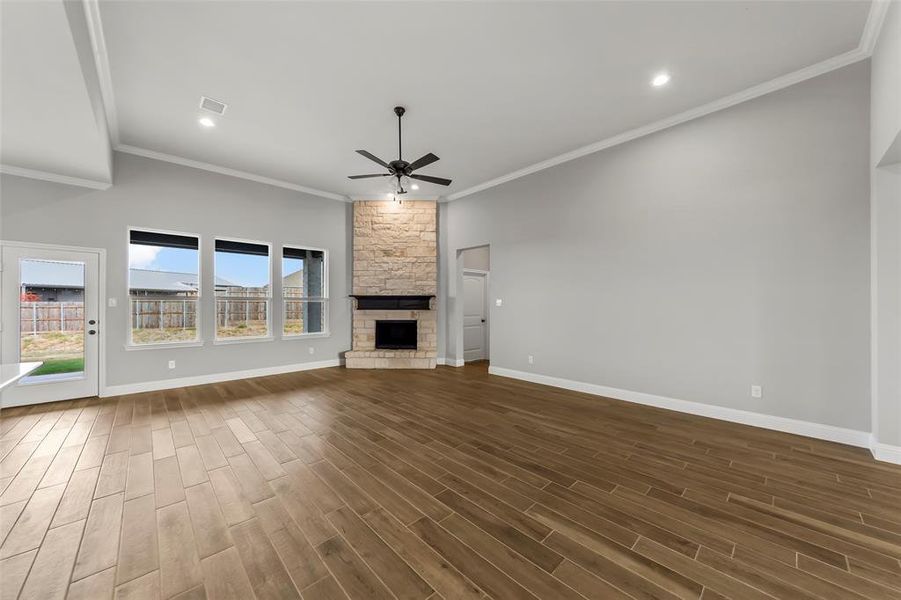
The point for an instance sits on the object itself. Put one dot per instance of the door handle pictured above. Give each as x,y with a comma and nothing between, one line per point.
483,320
92,331
92,322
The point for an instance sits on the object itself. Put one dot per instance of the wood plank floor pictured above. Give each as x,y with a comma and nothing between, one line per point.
427,485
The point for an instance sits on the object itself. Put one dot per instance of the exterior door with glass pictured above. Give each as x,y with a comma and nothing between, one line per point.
49,312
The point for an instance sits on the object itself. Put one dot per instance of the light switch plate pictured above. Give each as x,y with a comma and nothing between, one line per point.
498,302
112,302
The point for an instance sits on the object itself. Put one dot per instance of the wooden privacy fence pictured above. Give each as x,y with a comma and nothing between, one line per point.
294,310
45,317
233,312
182,314
163,314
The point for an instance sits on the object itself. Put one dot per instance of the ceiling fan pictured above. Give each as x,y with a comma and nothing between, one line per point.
400,168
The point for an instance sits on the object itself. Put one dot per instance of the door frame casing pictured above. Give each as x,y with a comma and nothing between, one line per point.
101,294
487,275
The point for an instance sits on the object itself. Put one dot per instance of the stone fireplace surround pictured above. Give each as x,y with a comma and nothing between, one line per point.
395,254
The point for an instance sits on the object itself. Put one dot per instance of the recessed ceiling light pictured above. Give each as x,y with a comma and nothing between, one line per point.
206,122
415,186
660,79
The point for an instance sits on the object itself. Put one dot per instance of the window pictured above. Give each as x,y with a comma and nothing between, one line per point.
243,290
305,291
163,287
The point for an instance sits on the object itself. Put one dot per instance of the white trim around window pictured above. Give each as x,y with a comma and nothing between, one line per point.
269,336
242,340
324,298
198,337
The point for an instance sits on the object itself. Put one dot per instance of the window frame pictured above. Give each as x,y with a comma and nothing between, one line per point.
198,321
326,330
270,335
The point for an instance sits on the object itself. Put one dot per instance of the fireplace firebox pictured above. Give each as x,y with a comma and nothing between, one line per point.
395,334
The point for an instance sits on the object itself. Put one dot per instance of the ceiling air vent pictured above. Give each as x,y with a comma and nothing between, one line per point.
213,106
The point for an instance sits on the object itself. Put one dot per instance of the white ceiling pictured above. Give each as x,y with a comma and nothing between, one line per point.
50,118
489,87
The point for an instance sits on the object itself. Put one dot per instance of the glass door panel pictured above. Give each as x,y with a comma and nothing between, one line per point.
51,318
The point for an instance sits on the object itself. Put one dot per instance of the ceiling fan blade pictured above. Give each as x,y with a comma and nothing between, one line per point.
422,162
430,179
373,157
367,176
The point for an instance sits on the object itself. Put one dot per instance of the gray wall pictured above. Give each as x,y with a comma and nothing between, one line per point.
477,258
885,124
727,251
154,194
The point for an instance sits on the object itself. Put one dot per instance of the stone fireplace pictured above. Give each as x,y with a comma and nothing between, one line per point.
395,280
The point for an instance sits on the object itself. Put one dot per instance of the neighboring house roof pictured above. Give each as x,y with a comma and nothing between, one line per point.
55,274
294,279
167,281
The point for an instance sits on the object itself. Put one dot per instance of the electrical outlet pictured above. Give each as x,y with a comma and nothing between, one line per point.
756,391
498,302
312,350
171,364
531,360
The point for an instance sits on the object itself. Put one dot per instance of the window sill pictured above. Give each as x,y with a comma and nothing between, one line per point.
307,336
246,340
164,346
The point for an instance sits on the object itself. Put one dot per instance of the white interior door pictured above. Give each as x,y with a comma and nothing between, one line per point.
49,312
475,316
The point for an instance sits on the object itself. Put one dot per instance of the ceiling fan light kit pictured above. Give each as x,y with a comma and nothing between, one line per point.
400,169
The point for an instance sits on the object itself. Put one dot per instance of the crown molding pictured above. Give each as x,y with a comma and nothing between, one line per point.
101,59
750,93
869,36
101,63
196,164
873,26
54,177
386,196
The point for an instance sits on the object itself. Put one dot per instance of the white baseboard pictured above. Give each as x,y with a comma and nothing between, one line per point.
450,362
168,384
886,452
852,437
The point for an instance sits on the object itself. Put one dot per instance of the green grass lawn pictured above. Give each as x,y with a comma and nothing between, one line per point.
53,366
